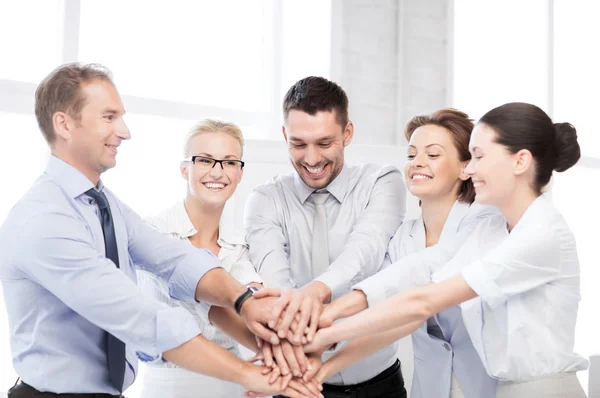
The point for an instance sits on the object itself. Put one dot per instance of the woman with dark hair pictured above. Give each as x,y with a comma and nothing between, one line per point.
519,287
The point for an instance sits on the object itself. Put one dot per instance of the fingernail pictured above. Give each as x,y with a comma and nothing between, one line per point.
309,367
281,334
274,340
271,324
284,371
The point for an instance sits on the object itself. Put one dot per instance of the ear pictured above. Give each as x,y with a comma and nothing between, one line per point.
523,161
63,125
284,134
463,173
183,168
348,133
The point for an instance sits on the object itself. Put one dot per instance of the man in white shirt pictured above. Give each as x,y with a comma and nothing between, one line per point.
327,226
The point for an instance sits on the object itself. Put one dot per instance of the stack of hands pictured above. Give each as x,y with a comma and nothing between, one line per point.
288,325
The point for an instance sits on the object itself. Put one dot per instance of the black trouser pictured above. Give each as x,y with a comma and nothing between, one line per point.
387,384
23,390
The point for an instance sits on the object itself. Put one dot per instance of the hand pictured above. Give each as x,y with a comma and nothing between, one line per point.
320,343
314,366
297,388
292,301
256,313
278,384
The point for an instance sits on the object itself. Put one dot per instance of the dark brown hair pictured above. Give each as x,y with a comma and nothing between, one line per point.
314,94
519,126
460,126
60,91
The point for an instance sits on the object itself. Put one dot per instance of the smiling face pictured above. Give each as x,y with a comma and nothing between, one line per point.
491,167
212,185
433,169
316,145
90,143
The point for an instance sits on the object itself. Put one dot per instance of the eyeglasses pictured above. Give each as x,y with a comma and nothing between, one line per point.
208,163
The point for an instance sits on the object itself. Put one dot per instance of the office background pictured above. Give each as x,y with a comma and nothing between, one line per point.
179,61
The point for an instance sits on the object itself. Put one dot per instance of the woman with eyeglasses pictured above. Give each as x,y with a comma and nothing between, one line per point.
212,169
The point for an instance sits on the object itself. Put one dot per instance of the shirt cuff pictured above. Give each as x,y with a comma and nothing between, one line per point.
483,285
375,294
187,274
335,282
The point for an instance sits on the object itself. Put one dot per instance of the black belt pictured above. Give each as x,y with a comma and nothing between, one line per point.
24,390
389,379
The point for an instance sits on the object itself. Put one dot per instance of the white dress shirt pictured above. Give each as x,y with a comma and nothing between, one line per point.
365,208
435,358
523,322
234,259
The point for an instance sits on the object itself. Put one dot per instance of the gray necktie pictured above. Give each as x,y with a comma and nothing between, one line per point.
320,247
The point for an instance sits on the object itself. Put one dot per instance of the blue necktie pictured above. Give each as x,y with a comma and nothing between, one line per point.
115,352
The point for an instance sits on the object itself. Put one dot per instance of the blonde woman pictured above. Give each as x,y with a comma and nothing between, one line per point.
212,168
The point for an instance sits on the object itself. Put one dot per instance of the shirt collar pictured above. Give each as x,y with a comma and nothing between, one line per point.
337,188
185,228
71,180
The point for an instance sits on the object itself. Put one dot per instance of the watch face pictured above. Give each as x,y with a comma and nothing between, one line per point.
253,289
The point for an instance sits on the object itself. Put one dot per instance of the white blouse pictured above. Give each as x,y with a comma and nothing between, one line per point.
523,322
234,259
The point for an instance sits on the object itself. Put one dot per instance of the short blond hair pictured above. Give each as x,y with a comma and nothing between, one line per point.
213,126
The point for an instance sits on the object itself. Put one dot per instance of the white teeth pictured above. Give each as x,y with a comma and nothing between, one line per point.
112,147
314,171
477,184
214,185
421,177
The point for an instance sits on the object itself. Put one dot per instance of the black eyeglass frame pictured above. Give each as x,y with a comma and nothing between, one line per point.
215,161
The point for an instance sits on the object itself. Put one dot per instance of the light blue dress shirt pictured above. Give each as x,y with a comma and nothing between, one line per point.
62,294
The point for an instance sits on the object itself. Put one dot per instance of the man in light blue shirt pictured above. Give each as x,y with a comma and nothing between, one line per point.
68,249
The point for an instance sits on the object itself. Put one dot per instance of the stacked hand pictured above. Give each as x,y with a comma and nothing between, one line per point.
286,323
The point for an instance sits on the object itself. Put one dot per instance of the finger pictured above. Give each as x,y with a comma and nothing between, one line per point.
267,292
275,373
258,357
293,307
259,342
291,359
305,315
280,304
264,333
294,325
313,387
286,381
281,362
301,358
268,355
301,388
314,322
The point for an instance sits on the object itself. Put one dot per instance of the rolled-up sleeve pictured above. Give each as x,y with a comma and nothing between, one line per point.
66,263
268,247
526,259
367,244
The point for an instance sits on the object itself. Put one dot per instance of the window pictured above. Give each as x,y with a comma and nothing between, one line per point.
539,52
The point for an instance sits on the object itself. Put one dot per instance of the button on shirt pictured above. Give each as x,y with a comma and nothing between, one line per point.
365,208
234,259
62,294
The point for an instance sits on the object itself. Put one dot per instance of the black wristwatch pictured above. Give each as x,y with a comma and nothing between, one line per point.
249,292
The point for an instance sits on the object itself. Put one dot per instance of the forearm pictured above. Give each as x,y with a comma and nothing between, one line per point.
347,305
219,288
205,357
362,347
392,313
229,322
415,305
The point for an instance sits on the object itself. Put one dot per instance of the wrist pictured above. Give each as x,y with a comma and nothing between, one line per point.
244,375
